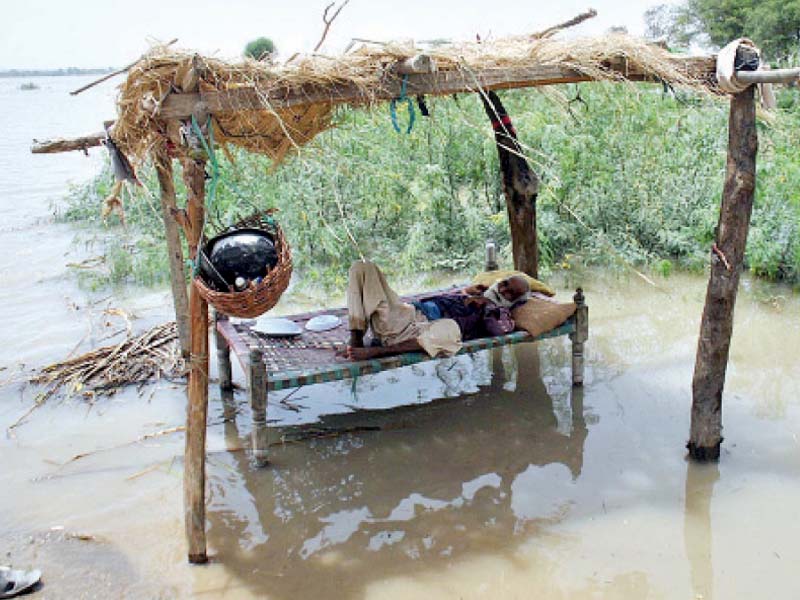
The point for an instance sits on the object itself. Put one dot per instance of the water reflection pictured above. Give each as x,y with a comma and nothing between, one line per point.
700,480
436,484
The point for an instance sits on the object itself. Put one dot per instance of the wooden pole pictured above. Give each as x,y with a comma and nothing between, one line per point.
579,337
716,326
520,187
223,355
194,467
257,379
769,76
82,143
180,299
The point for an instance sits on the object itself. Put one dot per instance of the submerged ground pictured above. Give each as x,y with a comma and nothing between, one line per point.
510,484
499,481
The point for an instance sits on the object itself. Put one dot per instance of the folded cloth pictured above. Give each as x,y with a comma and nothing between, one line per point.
440,338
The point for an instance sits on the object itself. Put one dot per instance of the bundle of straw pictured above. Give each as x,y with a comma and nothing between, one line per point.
151,355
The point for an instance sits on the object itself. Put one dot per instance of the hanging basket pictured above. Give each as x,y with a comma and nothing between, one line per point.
259,297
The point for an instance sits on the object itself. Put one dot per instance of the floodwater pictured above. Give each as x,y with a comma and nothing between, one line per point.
495,479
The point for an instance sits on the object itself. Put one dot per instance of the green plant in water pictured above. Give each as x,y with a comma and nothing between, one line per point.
632,176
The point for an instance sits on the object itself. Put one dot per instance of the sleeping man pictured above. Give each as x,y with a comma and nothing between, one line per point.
436,325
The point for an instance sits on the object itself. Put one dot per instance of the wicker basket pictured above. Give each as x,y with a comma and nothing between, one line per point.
259,297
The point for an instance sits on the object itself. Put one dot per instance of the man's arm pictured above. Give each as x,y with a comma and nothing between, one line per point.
475,290
378,351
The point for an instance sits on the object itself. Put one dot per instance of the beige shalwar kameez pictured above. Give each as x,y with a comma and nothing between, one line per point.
371,302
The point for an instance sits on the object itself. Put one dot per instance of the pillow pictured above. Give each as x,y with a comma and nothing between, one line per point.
540,314
489,278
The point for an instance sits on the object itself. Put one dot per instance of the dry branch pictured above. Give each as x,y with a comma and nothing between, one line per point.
124,69
68,144
328,21
577,20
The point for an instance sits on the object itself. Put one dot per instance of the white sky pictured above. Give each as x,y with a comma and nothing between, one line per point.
41,34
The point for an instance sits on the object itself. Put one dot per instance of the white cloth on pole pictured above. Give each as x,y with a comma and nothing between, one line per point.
726,72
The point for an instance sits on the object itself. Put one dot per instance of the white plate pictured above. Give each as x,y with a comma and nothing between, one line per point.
323,323
277,327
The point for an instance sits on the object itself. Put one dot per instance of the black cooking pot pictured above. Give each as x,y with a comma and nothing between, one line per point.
248,253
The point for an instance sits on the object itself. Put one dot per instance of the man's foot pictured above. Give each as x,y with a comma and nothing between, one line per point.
356,338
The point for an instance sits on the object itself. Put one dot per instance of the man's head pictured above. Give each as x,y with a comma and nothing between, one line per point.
513,288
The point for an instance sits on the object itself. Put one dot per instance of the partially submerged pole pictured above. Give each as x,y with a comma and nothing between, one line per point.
716,326
163,165
520,186
194,468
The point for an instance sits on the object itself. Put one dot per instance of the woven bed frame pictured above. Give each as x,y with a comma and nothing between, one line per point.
273,363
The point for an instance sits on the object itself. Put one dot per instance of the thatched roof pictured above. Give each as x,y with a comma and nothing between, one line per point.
272,109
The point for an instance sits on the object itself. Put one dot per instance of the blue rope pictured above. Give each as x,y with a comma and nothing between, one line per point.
393,108
209,149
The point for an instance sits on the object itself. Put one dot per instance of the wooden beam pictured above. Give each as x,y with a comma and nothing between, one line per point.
82,143
442,82
579,337
194,465
769,76
716,325
180,300
257,380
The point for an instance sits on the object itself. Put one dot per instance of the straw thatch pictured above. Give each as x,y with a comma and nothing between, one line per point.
273,129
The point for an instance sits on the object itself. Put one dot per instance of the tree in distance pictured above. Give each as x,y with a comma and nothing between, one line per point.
774,25
260,49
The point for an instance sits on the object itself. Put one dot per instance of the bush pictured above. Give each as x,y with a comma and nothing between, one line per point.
630,176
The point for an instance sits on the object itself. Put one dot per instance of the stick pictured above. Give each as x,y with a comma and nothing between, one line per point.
589,14
82,143
329,21
114,73
142,438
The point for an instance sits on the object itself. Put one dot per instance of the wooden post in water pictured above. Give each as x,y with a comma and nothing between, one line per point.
180,299
194,467
257,380
579,337
223,355
520,187
727,259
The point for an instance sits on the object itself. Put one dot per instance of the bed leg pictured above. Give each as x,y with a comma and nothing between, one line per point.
223,355
579,337
258,405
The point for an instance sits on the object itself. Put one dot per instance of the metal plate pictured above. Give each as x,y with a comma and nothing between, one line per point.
323,323
277,327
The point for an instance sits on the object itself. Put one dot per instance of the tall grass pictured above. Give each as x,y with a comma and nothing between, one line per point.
629,175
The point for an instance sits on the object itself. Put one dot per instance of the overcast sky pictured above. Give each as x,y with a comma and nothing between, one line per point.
41,34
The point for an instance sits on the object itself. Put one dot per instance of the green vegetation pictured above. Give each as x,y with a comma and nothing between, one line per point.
773,24
629,176
260,49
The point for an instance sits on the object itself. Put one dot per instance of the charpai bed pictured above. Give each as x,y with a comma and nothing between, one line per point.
279,363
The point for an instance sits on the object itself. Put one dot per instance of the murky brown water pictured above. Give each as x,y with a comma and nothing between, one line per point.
498,481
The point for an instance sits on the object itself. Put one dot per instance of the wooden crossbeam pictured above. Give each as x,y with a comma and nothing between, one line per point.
443,82
68,144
